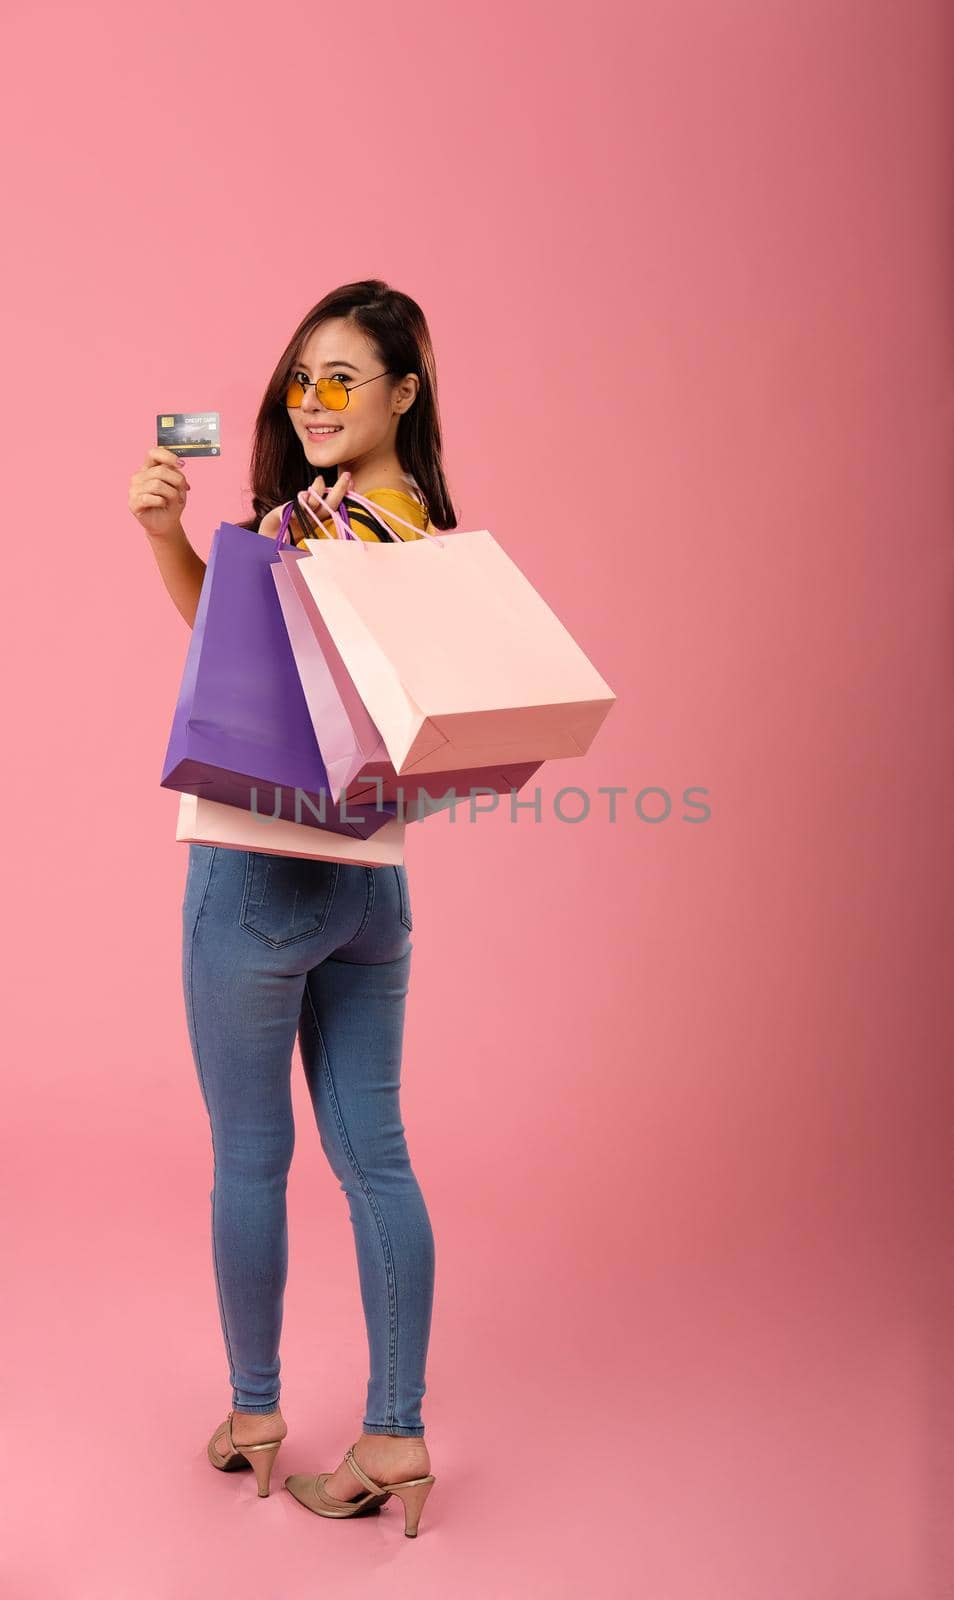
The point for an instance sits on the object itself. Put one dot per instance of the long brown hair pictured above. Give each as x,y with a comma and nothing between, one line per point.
396,324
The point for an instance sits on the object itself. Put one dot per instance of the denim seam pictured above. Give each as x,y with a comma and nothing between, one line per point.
367,910
405,898
375,1211
198,1057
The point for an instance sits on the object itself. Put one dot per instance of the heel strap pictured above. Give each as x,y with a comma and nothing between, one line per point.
369,1483
269,1444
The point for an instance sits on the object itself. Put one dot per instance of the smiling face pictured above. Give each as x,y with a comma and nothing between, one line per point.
367,427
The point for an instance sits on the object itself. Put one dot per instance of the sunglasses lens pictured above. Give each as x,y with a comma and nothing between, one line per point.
332,394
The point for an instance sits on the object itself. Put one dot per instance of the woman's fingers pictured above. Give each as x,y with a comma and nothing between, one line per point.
340,489
316,488
158,491
163,463
332,497
173,475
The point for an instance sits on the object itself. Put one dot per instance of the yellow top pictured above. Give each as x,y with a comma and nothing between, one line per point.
363,523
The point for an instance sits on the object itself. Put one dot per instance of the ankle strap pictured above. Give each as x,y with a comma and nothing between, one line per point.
369,1483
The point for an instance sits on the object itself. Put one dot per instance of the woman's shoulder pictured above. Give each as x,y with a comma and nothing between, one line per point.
398,501
387,495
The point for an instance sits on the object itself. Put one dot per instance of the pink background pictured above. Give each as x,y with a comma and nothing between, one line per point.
676,1093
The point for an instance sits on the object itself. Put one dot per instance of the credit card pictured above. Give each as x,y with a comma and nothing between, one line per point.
189,433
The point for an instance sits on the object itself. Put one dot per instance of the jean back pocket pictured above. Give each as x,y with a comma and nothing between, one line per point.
287,898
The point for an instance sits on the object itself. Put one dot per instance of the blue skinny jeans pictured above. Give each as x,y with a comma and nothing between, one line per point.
274,946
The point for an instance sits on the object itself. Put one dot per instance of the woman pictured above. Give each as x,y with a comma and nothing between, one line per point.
275,947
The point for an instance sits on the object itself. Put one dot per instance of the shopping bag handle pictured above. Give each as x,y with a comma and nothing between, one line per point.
376,512
283,528
287,515
339,521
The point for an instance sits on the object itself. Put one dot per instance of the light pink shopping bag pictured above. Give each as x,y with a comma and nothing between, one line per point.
354,754
202,821
347,736
454,655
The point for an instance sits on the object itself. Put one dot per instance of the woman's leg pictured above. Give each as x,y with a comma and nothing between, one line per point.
351,1036
242,1008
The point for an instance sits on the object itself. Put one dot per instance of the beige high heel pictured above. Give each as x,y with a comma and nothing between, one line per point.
260,1457
309,1490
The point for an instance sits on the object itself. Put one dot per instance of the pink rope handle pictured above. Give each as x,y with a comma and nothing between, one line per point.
286,520
336,517
376,511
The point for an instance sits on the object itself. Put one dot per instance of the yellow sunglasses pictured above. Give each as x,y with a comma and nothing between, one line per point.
330,391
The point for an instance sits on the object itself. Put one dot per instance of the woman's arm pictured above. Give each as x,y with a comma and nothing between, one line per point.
182,569
157,496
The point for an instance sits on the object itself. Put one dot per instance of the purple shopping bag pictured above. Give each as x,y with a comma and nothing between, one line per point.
241,723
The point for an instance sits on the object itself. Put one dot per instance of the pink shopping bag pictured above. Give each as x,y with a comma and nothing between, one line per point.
202,821
457,659
354,754
347,735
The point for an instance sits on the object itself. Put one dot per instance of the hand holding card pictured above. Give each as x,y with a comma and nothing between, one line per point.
158,492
